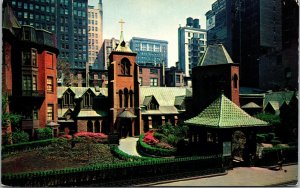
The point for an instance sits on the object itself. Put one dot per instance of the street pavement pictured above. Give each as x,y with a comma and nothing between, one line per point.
128,145
243,176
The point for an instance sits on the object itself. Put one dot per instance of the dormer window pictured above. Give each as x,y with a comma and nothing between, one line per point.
88,99
125,66
68,99
151,103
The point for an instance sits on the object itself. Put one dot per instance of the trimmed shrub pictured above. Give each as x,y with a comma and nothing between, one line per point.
150,150
26,146
20,137
44,133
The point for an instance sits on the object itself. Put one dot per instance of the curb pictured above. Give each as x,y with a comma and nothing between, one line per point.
181,179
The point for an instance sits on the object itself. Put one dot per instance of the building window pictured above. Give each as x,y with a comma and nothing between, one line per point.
126,97
141,80
125,66
34,82
49,84
153,81
26,58
120,98
50,112
235,81
27,82
140,70
88,100
68,99
177,78
33,57
156,48
153,71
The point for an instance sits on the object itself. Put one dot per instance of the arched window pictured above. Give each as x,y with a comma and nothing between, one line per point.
235,81
121,98
126,97
125,66
131,98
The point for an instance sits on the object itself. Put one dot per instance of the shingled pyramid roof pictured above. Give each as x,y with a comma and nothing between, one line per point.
223,113
215,54
9,20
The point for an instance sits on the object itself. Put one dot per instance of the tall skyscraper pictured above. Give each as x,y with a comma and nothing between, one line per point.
67,19
217,21
95,32
191,45
252,32
150,52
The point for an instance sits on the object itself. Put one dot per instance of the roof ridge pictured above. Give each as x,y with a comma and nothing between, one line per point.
221,108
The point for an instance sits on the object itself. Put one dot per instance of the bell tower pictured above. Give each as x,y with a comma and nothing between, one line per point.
123,90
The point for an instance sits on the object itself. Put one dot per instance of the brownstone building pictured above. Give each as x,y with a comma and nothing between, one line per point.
150,76
215,74
29,72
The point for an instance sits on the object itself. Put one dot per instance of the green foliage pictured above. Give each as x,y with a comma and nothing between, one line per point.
44,133
275,142
20,137
7,118
270,118
26,146
122,155
6,138
171,134
102,172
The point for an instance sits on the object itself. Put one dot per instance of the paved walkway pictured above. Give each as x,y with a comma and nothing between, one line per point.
128,145
243,176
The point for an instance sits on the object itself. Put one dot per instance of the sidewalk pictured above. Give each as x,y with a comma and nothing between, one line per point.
128,145
244,176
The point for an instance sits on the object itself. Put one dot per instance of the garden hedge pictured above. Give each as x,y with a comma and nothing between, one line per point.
150,150
122,155
26,146
270,156
101,173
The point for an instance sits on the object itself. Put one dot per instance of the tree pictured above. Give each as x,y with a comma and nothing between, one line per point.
7,117
64,72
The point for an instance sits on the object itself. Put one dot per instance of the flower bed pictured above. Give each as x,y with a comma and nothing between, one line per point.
96,137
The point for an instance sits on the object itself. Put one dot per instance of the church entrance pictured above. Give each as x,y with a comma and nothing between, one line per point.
125,127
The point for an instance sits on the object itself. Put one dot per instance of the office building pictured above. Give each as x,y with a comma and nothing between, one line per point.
218,20
106,48
150,76
191,45
150,52
68,20
95,32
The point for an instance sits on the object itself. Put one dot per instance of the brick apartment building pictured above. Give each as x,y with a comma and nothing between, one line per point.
29,72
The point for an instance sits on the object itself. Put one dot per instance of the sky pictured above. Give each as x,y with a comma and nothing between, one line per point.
153,19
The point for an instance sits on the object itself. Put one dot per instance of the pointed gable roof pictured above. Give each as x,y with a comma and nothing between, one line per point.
215,55
223,113
9,20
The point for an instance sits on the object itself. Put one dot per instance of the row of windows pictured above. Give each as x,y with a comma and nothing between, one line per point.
31,16
92,35
36,1
79,5
93,22
126,94
92,15
30,83
196,35
93,28
94,47
153,81
35,7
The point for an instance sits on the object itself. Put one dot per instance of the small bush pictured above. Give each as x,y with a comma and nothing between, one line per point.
20,137
44,133
159,136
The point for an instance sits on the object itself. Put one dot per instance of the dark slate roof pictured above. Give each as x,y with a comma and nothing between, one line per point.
9,21
215,55
223,113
